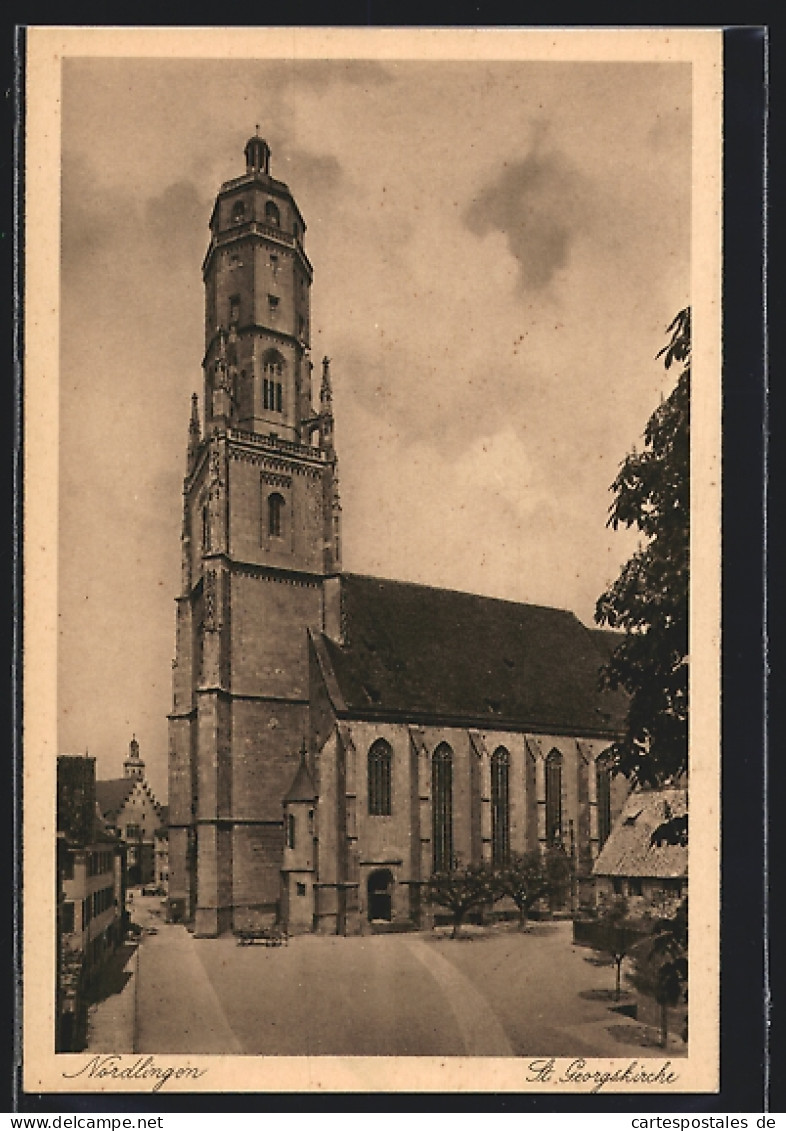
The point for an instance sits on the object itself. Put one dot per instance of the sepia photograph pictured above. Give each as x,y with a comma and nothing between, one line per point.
372,466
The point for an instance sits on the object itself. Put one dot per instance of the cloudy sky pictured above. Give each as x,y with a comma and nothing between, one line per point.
498,248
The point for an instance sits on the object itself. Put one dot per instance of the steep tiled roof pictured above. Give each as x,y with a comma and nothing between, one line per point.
629,851
113,794
302,788
424,652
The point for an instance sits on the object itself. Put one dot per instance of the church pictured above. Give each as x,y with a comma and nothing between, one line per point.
336,738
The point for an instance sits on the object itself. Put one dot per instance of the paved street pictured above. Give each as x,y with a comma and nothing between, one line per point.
493,994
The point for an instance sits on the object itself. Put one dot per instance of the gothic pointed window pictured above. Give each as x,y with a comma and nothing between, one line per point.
380,764
500,806
603,797
275,511
442,809
205,528
554,798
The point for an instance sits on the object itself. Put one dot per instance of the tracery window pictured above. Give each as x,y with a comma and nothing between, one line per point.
500,806
554,798
380,767
603,797
442,808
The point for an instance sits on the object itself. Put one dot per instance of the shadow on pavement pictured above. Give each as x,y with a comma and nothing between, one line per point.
112,978
645,1038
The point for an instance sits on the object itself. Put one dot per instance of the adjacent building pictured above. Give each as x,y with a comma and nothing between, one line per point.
90,895
131,811
646,855
335,738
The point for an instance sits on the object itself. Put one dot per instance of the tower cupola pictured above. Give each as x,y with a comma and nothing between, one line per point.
133,766
257,153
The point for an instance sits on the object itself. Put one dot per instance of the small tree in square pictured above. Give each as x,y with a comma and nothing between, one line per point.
660,965
531,876
613,934
462,889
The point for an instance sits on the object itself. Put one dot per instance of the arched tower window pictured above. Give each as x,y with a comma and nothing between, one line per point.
380,765
603,796
275,515
238,212
272,214
442,808
272,381
205,527
554,798
500,806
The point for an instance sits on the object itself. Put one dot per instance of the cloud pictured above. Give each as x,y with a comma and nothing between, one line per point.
539,205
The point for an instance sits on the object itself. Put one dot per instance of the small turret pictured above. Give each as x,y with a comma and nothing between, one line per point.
194,433
326,409
300,833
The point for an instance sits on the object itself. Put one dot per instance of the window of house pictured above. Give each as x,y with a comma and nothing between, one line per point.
300,889
603,796
275,511
380,758
68,865
618,885
442,808
291,830
500,806
68,917
274,264
634,885
238,212
272,214
272,302
234,310
133,831
554,798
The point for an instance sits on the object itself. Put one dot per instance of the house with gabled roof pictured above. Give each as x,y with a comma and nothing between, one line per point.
131,811
646,855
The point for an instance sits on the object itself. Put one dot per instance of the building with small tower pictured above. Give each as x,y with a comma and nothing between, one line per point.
438,725
131,811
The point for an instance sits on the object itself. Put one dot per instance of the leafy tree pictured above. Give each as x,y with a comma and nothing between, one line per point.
614,934
530,876
462,889
661,965
649,599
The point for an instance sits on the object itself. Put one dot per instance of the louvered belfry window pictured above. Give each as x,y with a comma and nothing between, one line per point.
380,766
442,808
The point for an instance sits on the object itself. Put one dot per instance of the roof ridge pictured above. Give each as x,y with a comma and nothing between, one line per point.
466,593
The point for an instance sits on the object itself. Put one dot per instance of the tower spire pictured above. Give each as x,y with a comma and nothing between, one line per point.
193,432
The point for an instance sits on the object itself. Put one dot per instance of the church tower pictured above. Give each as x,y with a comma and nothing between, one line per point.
261,530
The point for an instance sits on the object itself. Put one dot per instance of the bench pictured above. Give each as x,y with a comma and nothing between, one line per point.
268,936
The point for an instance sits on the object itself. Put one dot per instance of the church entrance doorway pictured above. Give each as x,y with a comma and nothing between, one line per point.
380,885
